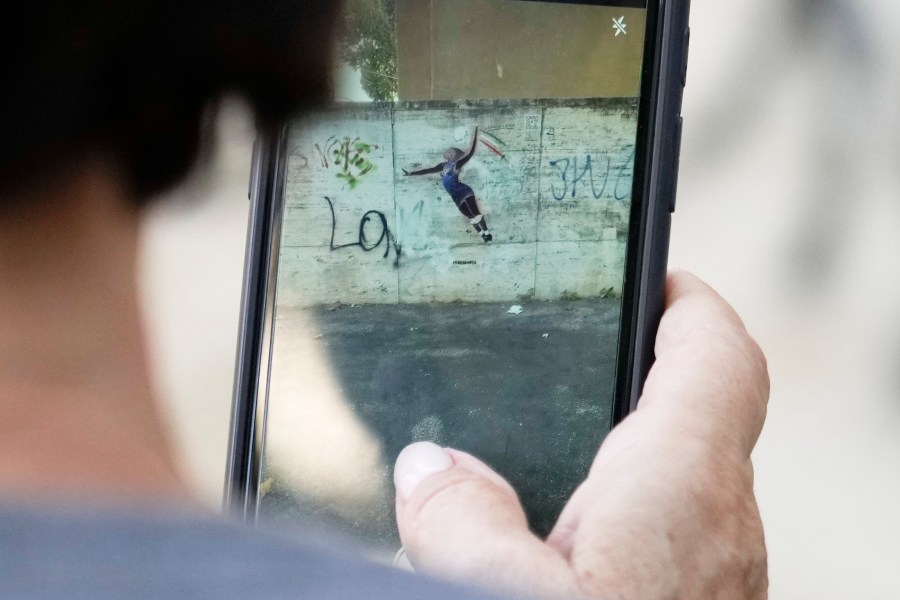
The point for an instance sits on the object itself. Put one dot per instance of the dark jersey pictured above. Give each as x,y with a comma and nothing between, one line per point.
450,178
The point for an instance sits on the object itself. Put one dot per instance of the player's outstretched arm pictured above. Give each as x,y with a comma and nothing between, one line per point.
435,169
471,151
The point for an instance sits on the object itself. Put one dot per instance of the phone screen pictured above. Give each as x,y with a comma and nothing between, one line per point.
451,258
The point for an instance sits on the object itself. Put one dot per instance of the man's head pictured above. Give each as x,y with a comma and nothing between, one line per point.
105,103
131,83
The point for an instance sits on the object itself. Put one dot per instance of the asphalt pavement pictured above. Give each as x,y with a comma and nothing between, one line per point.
529,393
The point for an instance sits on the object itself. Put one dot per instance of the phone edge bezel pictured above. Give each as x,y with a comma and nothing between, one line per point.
646,258
648,244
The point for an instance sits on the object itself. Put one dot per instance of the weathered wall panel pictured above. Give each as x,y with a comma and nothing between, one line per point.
316,170
310,276
573,270
587,178
553,180
472,273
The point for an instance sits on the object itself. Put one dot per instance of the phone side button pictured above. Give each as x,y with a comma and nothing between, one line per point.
684,51
676,163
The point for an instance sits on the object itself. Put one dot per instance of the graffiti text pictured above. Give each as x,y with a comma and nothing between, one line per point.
571,172
349,157
362,240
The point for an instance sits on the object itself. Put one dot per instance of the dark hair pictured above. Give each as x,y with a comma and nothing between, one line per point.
131,80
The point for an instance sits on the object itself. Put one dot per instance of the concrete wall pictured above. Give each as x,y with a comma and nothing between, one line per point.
557,202
452,49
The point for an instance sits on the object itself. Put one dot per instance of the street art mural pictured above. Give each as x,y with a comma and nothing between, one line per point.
461,194
367,219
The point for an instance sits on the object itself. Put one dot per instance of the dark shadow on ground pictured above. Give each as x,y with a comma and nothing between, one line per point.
530,394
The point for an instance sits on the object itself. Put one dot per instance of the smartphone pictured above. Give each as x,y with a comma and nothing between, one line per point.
467,245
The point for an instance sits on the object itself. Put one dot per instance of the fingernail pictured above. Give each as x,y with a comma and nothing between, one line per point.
417,462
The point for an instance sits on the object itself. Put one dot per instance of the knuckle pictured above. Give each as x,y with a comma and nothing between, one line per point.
450,498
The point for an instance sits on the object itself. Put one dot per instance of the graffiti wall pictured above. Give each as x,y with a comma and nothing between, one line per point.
446,201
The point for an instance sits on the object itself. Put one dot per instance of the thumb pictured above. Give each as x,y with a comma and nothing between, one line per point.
459,519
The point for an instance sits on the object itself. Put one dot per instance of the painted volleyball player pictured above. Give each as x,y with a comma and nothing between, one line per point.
463,196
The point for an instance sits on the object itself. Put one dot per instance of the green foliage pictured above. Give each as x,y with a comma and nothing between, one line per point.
527,296
370,46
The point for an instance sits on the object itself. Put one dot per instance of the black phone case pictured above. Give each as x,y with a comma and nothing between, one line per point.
656,164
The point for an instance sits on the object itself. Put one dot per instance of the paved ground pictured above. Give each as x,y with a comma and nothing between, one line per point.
529,393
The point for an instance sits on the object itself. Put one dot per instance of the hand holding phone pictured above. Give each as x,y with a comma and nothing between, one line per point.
379,307
671,491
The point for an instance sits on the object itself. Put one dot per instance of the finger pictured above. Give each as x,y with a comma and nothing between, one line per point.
459,519
710,379
704,399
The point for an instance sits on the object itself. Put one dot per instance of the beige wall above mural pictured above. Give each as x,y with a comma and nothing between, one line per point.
455,49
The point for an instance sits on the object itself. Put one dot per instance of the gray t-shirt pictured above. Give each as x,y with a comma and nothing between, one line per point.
94,553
